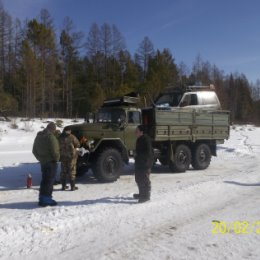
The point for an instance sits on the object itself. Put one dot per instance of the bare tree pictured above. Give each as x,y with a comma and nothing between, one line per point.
4,17
70,42
93,43
183,73
118,42
106,40
144,53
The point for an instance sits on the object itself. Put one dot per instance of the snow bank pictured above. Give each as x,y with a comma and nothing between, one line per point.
102,221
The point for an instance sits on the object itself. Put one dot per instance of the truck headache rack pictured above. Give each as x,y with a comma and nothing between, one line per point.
200,88
125,100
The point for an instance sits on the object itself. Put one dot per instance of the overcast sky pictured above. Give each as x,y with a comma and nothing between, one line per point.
224,32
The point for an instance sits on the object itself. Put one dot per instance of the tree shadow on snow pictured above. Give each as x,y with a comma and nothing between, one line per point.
20,205
128,170
164,169
242,184
14,177
88,177
106,200
229,150
157,169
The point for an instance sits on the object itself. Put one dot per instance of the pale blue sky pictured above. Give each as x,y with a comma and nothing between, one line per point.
226,33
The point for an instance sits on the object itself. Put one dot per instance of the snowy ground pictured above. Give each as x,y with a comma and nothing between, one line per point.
102,221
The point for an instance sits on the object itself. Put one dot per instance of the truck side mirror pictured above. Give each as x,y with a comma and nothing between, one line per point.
122,123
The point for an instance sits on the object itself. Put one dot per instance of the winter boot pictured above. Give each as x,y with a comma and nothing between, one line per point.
136,195
46,204
144,194
63,185
45,201
72,185
56,182
144,198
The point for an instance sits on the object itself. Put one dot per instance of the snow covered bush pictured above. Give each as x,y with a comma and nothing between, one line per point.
59,123
13,124
28,126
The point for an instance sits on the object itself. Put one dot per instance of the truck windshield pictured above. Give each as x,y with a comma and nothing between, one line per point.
169,100
106,115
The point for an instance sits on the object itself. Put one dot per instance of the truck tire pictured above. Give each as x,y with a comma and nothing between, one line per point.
182,159
108,165
201,157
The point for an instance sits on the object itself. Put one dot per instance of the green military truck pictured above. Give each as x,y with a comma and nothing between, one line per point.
182,135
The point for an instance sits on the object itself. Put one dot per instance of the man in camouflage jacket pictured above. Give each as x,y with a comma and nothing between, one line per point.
68,157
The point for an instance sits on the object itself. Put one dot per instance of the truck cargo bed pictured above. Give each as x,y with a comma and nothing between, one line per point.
190,125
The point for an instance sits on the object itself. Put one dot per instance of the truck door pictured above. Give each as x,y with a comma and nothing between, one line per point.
133,120
189,99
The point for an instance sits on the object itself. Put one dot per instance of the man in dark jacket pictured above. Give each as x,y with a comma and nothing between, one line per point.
143,164
68,157
46,151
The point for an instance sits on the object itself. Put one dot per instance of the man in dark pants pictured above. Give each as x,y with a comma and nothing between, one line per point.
46,150
143,164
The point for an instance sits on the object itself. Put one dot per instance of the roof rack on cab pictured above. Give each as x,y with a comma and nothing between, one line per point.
126,100
200,88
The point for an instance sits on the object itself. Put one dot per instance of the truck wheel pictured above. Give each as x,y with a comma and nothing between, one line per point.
201,157
182,159
108,165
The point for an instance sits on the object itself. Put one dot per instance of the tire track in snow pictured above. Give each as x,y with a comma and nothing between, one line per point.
166,239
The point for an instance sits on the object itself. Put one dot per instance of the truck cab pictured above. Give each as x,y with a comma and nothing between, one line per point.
108,139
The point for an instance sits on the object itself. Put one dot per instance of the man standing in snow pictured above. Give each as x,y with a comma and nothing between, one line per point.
57,178
46,150
143,164
68,157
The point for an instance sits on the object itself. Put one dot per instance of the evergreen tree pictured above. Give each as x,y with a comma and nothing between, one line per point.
41,40
70,42
162,72
42,76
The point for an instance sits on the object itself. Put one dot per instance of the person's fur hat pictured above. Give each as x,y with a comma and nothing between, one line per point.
51,126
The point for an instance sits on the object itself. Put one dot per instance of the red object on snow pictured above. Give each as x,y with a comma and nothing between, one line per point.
29,181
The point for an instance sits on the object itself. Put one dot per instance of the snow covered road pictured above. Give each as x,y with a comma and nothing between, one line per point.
102,221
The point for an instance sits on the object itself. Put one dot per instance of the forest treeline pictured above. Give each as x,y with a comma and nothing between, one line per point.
47,73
